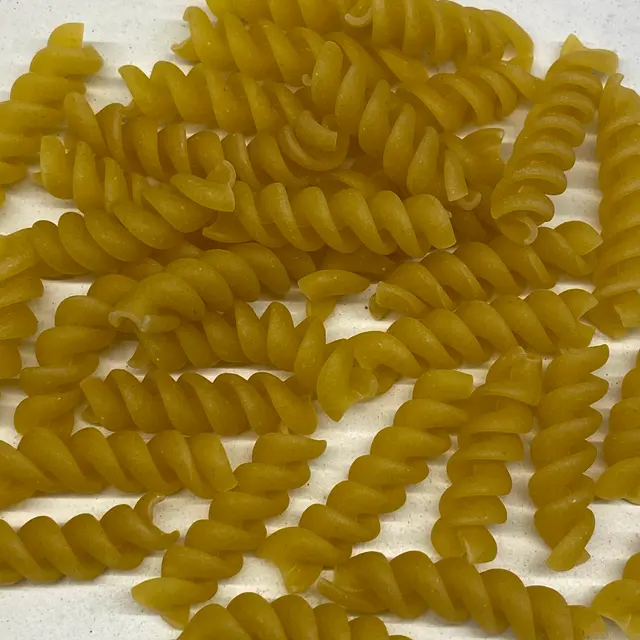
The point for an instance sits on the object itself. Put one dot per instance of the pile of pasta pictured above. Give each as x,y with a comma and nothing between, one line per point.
327,157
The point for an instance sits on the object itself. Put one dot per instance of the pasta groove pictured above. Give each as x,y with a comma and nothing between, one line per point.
398,457
543,150
35,101
213,549
411,584
621,448
42,551
562,454
501,411
286,618
228,405
343,221
476,270
88,462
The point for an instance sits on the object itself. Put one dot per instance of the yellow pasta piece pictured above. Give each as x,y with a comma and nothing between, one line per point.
621,447
501,413
286,618
543,150
344,221
411,584
88,462
227,405
398,457
35,101
83,548
323,289
475,270
213,549
190,287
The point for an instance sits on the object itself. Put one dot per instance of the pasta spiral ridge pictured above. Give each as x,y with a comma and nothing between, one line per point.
42,551
192,404
621,447
67,353
562,454
618,601
19,284
35,101
411,584
344,221
544,150
399,455
88,462
476,270
213,549
501,413
286,618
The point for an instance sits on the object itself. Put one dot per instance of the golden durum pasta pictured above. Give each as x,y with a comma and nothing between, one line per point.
191,404
324,288
83,548
562,453
377,482
35,100
346,220
68,353
476,270
501,412
619,601
411,584
213,549
188,288
88,462
621,447
286,618
543,150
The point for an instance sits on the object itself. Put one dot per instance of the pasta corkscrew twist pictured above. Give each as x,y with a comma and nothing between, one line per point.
411,584
398,457
213,549
83,548
501,413
562,454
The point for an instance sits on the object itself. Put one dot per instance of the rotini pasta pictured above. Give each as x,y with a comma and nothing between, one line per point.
562,454
621,448
88,462
83,548
286,618
213,549
496,600
192,404
475,270
344,221
35,101
398,457
325,287
543,150
501,411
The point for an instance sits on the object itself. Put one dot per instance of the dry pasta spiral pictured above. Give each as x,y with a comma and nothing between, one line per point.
324,288
35,101
344,221
543,150
68,353
398,457
83,548
562,454
501,413
88,462
190,287
621,448
213,549
411,584
287,618
475,270
192,404
620,600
